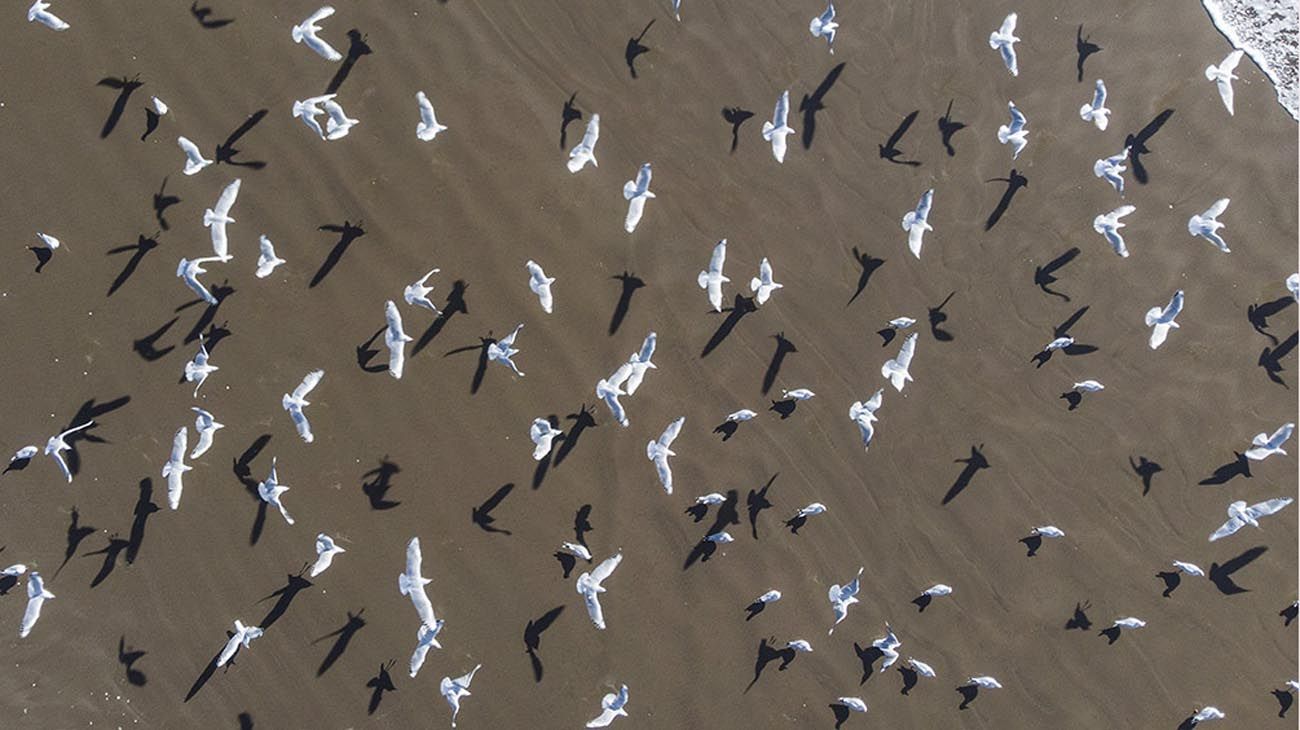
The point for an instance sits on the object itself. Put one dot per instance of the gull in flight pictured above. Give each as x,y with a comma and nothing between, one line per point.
1208,713
36,597
797,394
1014,133
271,490
1096,112
425,639
744,414
577,549
864,414
194,160
1129,622
24,454
923,669
777,130
1162,320
411,583
503,349
1207,225
37,13
326,549
659,450
1293,285
14,570
417,294
310,108
395,338
984,681
896,370
677,13
1111,169
540,283
243,635
640,362
338,125
266,258
841,598
306,32
611,705
1240,515
1047,531
1108,225
428,126
853,703
216,218
454,689
585,151
609,389
589,587
762,285
298,400
176,467
198,369
712,279
56,445
636,192
1190,568
543,434
1223,77
1003,40
1264,445
188,270
824,26
916,223
888,646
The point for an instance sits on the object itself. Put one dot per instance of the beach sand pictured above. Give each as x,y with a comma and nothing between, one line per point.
491,193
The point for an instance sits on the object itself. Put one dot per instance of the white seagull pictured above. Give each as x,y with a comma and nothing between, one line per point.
425,638
923,669
339,124
1003,40
744,414
577,549
863,413
542,434
1088,386
271,490
1014,133
176,467
188,270
1264,445
611,705
1130,622
777,130
916,223
395,338
711,498
326,549
797,394
198,369
306,32
799,645
503,349
636,192
1190,568
298,400
540,283
216,218
428,127
267,261
824,26
722,537
1096,112
1240,515
1207,225
901,323
1047,531
585,151
609,389
1111,169
25,453
771,596
896,369
815,508
589,587
984,681
888,646
1293,285
841,597
38,13
1162,320
56,445
36,597
411,583
711,279
640,362
1223,77
1208,713
853,703
1108,225
659,450
243,635
417,294
194,160
936,590
454,689
50,242
762,285
310,108
159,106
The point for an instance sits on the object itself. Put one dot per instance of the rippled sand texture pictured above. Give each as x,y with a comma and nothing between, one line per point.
491,193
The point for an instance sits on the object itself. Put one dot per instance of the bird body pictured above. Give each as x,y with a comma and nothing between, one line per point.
39,13
1130,622
824,26
1208,713
640,362
326,549
762,285
339,123
938,589
1096,112
56,445
194,160
395,338
1207,225
216,218
411,583
295,403
1048,531
797,394
267,261
1108,225
1240,514
984,681
896,370
198,369
863,413
270,490
611,706
244,636
589,587
307,31
1014,133
425,638
417,294
770,597
50,242
504,349
815,508
310,108
542,434
36,598
1088,386
1223,77
888,646
660,449
841,597
923,669
454,689
1111,169
577,549
1189,568
722,537
188,270
853,703
744,414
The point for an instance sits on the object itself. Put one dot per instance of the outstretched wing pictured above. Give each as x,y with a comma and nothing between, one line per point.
227,199
592,134
719,258
923,207
670,434
1008,25
1232,525
643,176
1099,95
782,111
413,559
309,382
606,567
909,348
1281,435
1018,120
1215,210
648,347
180,444
1269,507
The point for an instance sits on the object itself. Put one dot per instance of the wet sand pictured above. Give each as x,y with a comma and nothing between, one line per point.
493,192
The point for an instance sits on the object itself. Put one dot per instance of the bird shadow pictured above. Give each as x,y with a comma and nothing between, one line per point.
947,128
1045,275
1137,144
867,655
784,408
144,507
89,411
741,306
145,346
366,352
937,316
796,523
75,534
481,369
889,150
342,637
220,292
227,151
582,420
125,87
1289,614
724,517
968,694
1146,469
735,116
245,721
482,514
1084,48
1172,579
1015,181
634,48
376,483
568,114
1271,358
1238,467
756,502
1258,314
567,561
533,638
630,284
455,304
812,103
43,256
974,463
151,119
582,524
284,596
207,672
727,429
754,609
1221,575
128,658
202,14
922,602
379,684
910,678
1032,544
841,713
348,233
1112,634
110,552
356,49
698,512
1080,618
1284,701
766,655
161,202
144,244
783,347
869,264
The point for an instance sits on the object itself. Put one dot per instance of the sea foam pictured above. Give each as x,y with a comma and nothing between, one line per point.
1269,32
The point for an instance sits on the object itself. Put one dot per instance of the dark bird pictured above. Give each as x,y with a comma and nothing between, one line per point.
203,15
1084,48
889,150
947,128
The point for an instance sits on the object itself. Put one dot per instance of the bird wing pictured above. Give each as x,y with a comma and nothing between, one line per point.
1018,120
605,568
1229,63
1225,91
1232,525
923,207
1268,507
417,657
413,559
1008,25
905,354
301,423
191,149
426,109
1172,309
670,434
765,272
592,599
718,258
635,207
620,375
318,44
423,608
180,444
307,384
227,199
665,472
606,716
318,16
643,176
1099,95
1215,210
782,111
1281,435
592,134
393,319
1008,53
648,347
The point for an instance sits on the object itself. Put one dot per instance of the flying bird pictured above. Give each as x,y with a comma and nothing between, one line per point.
660,449
799,645
640,362
589,587
1108,225
1060,343
1129,622
326,549
271,490
938,589
425,638
310,108
1207,225
306,32
815,508
1240,515
411,583
762,285
916,223
585,151
417,294
36,597
771,596
1014,133
188,270
611,705
1223,77
777,130
609,389
159,107
636,192
896,369
428,127
176,467
194,160
540,283
1003,40
1096,112
1111,169
722,537
267,261
454,689
542,435
1293,285
503,349
14,570
50,242
56,445
298,400
339,124
1265,445
216,218
395,338
198,369
244,636
824,26
863,413
1162,320
38,13
841,597
577,549
1088,386
888,646
712,279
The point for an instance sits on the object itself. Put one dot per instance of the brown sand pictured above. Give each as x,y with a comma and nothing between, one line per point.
491,193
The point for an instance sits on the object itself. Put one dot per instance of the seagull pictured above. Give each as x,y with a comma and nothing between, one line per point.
188,270
712,279
1293,285
159,106
411,583
938,589
841,598
589,587
503,349
744,414
1161,320
36,597
771,596
722,537
50,242
585,151
325,552
888,646
777,130
864,414
611,704
710,498
310,108
1015,133
1264,445
1223,77
453,689
194,160
540,283
37,13
824,26
14,570
296,402
198,369
677,10
428,126
216,218
640,362
1128,623
1096,112
636,192
1111,169
896,370
56,445
901,323
338,125
266,259
271,490
243,635
762,285
815,508
923,669
1088,386
577,549
417,294
24,454
1003,40
797,394
1240,515
395,338
542,434
1208,713
916,223
799,645
425,639
609,389
1108,225
176,467
659,450
985,682
306,32
1189,568
1047,531
853,703
1207,225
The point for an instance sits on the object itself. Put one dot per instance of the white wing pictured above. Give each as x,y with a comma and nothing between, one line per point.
606,568
635,207
227,199
782,111
1099,95
1214,211
1018,120
413,560
1260,509
670,434
318,44
180,445
1233,524
307,384
643,176
592,135
1008,25
301,423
